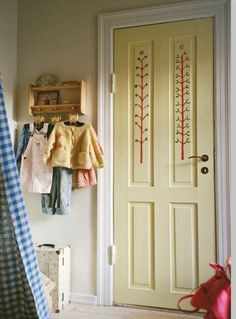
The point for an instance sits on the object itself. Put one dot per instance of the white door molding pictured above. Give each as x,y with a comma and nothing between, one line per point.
107,23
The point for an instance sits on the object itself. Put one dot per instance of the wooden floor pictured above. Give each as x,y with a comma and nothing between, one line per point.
76,311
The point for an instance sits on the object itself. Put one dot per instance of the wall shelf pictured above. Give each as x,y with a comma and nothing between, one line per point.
71,98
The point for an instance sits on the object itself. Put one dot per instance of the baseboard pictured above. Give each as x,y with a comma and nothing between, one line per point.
83,299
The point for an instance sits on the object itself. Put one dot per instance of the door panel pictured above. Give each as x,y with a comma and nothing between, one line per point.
141,272
141,137
164,215
183,227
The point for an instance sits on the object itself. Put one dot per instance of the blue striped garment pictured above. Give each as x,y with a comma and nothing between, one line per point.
21,290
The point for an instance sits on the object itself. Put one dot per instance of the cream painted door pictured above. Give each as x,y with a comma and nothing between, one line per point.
164,214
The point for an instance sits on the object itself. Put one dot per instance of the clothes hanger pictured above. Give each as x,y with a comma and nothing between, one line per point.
55,119
73,119
39,121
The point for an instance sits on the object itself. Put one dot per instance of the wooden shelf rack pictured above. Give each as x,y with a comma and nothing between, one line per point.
71,99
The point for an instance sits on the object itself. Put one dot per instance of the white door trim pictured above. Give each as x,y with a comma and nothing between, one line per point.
107,23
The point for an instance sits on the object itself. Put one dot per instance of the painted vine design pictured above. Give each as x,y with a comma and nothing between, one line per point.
182,101
140,106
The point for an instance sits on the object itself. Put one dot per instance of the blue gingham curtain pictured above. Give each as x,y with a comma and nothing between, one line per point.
21,291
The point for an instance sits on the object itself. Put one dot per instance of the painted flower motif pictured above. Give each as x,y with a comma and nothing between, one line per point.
141,106
182,94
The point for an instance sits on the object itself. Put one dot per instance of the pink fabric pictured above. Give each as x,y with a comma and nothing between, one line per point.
35,176
213,295
84,178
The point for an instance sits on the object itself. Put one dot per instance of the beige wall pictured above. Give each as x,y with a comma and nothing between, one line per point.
60,37
8,56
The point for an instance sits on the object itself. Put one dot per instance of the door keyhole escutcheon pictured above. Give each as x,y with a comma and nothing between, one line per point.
204,170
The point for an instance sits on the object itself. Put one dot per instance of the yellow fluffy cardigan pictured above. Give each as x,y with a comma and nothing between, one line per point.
73,147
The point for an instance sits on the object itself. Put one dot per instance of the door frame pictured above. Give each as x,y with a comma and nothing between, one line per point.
107,23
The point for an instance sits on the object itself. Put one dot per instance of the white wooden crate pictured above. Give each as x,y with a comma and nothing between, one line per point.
54,262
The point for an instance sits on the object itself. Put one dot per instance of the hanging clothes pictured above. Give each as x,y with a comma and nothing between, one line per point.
24,140
84,178
35,176
70,147
21,290
73,147
22,144
59,199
